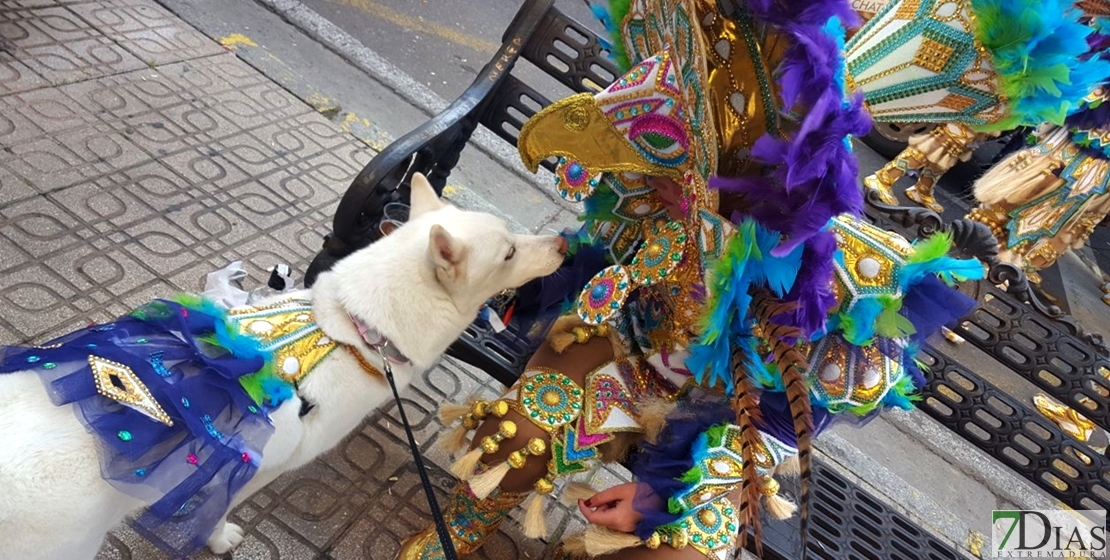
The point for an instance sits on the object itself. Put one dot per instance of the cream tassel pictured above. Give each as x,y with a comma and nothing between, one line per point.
789,467
562,332
464,467
455,440
535,523
575,491
601,541
451,413
484,484
780,508
571,330
575,544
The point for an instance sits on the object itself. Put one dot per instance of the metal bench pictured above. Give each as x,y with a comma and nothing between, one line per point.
1013,326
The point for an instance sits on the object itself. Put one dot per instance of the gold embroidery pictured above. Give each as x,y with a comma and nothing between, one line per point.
956,102
117,382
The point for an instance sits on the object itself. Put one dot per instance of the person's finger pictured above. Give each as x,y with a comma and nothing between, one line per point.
617,519
584,509
612,494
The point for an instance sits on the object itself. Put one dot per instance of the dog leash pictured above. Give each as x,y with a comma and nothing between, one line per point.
429,493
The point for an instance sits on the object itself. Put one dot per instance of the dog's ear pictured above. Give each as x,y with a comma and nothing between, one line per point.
424,197
447,252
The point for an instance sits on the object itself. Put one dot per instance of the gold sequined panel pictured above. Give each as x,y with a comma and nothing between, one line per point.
741,88
288,329
832,370
932,55
870,254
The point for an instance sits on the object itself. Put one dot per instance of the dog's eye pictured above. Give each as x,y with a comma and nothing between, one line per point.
512,252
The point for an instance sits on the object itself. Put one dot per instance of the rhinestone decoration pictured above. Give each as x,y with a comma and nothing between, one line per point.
574,182
117,382
660,254
603,297
551,399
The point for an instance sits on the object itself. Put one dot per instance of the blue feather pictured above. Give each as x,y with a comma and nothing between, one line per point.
778,273
949,269
1039,50
861,329
602,14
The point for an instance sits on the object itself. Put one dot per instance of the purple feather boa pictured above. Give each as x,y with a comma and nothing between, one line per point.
815,176
812,289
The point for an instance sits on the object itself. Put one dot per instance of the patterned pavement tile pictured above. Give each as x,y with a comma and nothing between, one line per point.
129,178
57,47
147,31
13,187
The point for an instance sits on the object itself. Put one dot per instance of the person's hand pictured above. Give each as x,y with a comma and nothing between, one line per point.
671,194
613,508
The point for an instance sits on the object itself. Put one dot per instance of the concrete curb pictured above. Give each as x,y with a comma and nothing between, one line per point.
861,469
418,95
850,461
370,134
970,460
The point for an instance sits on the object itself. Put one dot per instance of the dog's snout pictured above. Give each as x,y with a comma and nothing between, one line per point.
561,243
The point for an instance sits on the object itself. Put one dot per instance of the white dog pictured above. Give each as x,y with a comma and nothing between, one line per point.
418,288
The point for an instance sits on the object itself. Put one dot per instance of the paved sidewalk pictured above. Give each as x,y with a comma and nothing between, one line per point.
136,155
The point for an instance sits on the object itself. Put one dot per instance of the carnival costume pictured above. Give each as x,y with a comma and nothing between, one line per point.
975,67
740,323
1049,197
179,393
930,155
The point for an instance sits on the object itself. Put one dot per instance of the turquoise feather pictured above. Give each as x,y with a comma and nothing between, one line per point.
1038,49
860,330
948,269
777,273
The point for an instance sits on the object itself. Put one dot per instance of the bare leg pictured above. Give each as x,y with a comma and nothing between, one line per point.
471,519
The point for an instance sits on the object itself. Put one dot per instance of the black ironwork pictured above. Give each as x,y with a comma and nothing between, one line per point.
432,149
1009,431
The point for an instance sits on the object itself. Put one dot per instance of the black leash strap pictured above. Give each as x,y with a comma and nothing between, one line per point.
433,504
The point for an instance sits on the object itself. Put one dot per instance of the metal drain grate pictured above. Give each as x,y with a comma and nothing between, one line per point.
848,523
1006,429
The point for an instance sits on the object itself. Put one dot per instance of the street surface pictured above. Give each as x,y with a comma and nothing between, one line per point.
440,43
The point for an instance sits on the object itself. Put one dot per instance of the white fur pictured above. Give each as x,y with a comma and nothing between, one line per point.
420,287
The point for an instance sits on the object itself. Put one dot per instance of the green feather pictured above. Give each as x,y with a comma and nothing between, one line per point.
931,248
618,11
891,323
716,315
599,206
